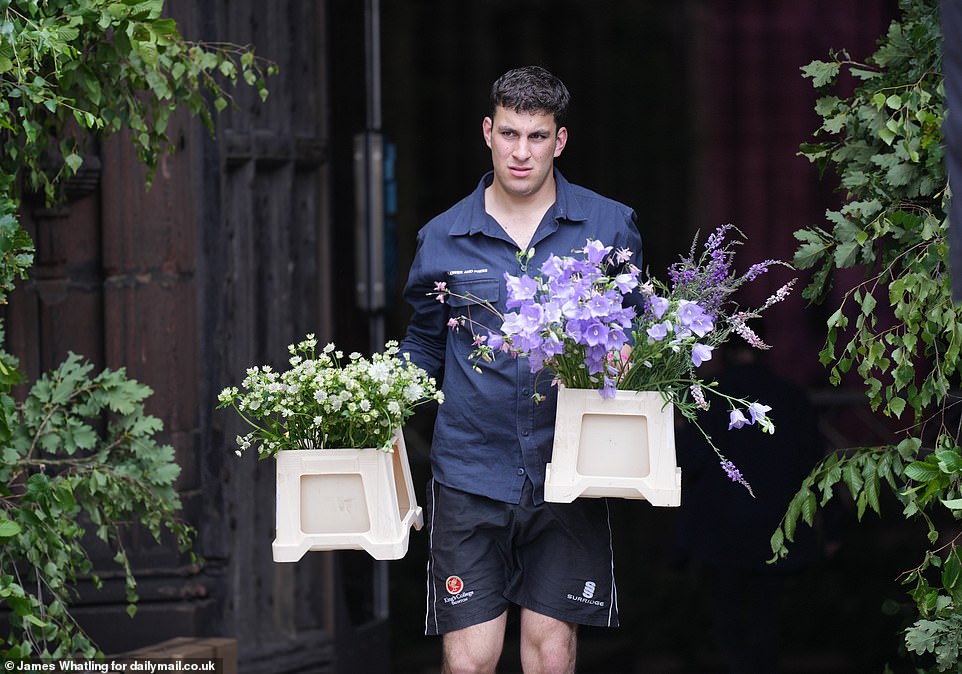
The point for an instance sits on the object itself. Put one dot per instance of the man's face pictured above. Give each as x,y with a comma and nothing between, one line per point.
523,147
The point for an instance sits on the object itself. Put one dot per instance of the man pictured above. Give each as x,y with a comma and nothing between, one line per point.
494,542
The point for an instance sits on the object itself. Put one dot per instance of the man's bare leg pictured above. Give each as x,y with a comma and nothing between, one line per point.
475,649
548,645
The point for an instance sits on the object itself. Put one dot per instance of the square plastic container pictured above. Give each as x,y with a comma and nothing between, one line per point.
621,447
345,499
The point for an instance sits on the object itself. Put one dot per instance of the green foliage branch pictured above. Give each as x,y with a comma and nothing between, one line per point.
83,450
897,328
78,452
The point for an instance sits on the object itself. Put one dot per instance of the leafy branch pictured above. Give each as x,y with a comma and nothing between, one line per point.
79,452
884,142
114,474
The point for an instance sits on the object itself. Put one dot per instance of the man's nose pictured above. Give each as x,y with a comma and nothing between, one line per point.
522,150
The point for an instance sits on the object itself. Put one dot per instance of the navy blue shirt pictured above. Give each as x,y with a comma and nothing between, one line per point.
490,436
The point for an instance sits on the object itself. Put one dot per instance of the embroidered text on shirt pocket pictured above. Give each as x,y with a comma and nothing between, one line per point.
465,292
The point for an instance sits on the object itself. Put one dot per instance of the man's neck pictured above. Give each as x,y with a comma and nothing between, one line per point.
519,215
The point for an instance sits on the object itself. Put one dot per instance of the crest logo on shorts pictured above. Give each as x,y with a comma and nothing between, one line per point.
589,590
454,584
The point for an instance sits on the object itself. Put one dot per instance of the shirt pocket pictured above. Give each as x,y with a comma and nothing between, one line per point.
470,292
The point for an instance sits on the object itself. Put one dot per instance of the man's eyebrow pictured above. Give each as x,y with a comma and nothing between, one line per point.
505,127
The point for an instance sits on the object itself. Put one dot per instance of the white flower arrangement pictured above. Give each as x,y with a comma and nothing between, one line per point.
324,402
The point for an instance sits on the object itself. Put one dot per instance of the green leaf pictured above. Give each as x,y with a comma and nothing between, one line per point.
34,620
74,161
809,506
952,570
853,478
831,474
837,319
165,27
896,406
777,543
864,74
9,528
909,447
901,174
921,471
117,10
870,479
835,124
820,72
949,460
808,255
845,254
791,517
165,474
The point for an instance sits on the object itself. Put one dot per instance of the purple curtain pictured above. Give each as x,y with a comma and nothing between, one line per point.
756,109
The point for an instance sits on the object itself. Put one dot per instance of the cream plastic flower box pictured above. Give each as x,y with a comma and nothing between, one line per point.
621,447
345,499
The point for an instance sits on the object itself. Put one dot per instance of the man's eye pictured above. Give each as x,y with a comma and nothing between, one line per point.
507,134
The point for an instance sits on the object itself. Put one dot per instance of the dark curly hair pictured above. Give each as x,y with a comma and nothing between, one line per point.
530,89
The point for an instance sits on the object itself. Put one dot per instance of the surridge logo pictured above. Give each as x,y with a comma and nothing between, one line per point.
589,590
587,595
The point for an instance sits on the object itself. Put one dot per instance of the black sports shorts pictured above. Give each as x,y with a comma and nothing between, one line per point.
554,558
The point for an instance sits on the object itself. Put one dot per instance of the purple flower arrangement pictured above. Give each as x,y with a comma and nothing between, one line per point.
573,317
589,322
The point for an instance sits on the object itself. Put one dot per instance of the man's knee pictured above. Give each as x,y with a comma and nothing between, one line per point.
554,656
475,649
548,646
467,662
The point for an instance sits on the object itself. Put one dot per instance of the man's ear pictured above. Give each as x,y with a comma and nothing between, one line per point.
560,140
486,125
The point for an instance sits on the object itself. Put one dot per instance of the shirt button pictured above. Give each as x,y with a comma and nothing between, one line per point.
524,433
520,471
524,391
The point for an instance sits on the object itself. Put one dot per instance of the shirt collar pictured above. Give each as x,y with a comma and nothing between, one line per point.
474,219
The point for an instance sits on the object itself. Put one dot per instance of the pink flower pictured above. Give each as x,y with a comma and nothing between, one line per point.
745,332
699,396
441,288
779,295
